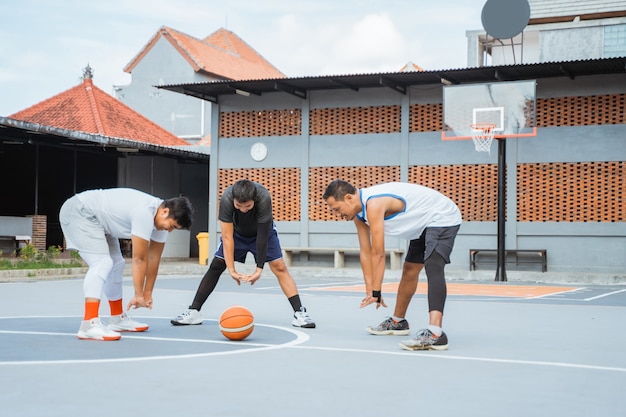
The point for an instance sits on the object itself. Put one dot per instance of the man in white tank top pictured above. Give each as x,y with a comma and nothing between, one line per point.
425,217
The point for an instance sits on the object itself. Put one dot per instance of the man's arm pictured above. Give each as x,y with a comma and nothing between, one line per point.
228,241
376,209
376,216
365,245
155,250
139,268
262,237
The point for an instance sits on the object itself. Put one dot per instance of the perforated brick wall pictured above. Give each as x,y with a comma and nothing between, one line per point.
357,176
557,111
581,111
354,120
282,183
566,192
426,118
474,188
260,123
571,192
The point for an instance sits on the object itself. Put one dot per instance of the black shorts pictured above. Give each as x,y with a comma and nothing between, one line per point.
440,239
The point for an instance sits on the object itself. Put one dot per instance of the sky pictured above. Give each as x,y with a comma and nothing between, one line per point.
46,44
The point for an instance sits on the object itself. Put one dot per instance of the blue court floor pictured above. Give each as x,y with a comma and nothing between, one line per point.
512,353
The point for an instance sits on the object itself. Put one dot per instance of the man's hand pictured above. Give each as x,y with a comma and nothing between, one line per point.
253,277
237,276
370,299
138,302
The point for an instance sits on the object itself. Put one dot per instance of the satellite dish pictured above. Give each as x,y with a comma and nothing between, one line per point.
505,19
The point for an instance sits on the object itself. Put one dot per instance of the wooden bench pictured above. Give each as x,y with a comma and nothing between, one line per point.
395,255
530,256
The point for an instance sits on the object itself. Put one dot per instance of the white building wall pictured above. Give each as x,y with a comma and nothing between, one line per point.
184,116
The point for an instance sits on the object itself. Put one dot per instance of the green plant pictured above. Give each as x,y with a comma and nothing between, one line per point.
32,258
29,252
75,256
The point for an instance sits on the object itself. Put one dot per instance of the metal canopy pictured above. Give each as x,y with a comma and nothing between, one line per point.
14,131
400,81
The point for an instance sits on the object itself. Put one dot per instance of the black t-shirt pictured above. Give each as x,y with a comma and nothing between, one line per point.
246,224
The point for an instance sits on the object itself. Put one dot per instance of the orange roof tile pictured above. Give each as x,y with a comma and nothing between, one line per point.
221,54
410,66
86,108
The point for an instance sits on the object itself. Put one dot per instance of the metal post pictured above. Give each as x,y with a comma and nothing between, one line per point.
501,269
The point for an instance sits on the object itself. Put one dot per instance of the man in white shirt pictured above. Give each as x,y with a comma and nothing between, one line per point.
93,222
425,217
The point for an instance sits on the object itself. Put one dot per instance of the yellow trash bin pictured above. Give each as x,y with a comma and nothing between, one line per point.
203,248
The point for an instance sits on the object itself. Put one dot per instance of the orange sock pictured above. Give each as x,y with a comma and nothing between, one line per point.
91,309
116,307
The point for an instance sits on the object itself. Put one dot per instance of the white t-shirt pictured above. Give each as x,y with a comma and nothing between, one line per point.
423,207
123,212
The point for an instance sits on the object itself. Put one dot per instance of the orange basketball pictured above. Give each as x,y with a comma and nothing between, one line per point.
236,323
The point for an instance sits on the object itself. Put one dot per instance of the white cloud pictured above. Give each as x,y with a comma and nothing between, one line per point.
45,51
372,44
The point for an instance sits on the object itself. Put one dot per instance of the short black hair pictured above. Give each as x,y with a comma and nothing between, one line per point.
181,210
244,191
338,189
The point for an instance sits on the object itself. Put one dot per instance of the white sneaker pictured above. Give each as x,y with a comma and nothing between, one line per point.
301,319
123,323
94,329
187,317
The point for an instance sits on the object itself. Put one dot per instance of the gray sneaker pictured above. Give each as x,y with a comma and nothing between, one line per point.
426,340
187,317
390,327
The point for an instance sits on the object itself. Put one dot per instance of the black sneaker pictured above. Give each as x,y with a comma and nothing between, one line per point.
390,327
426,340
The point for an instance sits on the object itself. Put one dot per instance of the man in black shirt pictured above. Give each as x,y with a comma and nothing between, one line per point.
247,225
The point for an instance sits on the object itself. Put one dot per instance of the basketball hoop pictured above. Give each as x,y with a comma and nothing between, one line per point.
482,135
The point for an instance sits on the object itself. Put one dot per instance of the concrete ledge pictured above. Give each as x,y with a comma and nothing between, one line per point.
192,267
13,275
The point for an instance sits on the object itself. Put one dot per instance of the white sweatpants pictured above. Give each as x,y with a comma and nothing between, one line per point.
105,272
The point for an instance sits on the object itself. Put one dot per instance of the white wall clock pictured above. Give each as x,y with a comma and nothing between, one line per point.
258,151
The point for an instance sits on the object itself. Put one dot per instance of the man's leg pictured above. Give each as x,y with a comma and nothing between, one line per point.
407,287
119,321
288,285
437,288
92,328
207,285
285,280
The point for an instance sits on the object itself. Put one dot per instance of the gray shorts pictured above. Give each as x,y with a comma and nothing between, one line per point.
440,239
81,229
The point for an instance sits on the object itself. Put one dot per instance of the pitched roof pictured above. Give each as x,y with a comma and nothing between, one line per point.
86,108
410,66
222,54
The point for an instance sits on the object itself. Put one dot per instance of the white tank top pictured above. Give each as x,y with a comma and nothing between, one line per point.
423,207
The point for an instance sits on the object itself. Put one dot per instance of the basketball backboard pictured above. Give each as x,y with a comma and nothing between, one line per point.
509,106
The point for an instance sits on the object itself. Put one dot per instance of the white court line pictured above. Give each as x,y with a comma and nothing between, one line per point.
301,338
434,355
554,293
331,284
603,295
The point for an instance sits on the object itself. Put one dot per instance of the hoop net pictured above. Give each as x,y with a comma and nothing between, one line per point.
482,135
